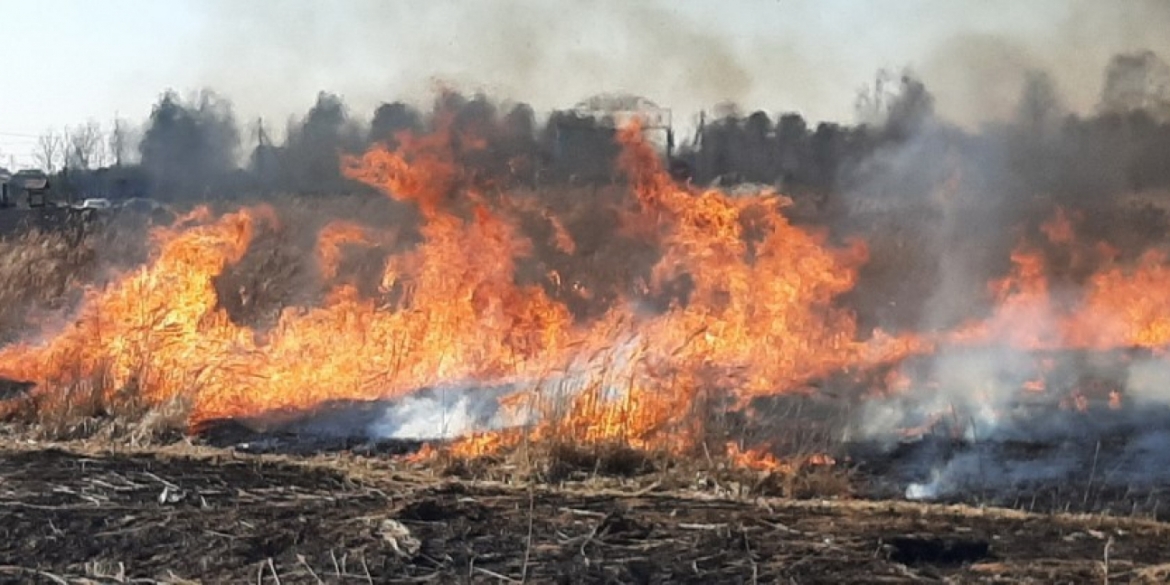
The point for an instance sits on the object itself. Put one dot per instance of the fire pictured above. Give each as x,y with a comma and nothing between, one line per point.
157,329
335,236
759,317
757,459
760,459
1119,307
1127,308
739,304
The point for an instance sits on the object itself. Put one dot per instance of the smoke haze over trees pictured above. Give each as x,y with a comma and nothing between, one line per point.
189,146
899,148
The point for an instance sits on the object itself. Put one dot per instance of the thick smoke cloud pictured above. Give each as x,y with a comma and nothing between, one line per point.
687,56
981,193
903,154
548,54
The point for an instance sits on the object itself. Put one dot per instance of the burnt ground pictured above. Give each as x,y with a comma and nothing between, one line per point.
185,514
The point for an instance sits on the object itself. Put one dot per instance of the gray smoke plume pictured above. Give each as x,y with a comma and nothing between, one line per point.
551,54
989,431
443,413
801,55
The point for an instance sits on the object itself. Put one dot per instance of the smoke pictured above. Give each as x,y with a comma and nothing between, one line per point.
1016,108
940,205
999,419
189,147
987,434
442,413
307,162
978,71
550,54
970,195
1148,383
802,56
459,410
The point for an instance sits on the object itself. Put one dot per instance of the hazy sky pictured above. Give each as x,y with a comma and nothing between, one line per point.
67,61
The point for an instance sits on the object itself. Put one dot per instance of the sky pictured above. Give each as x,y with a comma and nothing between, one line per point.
78,60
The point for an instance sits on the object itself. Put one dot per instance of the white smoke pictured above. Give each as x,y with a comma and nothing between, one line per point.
994,437
455,410
444,413
976,389
1148,382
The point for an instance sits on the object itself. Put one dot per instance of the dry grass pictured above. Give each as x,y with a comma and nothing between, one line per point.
86,409
44,268
39,271
617,464
41,277
43,272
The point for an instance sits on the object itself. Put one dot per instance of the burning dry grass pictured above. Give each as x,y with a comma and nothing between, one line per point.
215,315
640,330
44,274
45,267
87,411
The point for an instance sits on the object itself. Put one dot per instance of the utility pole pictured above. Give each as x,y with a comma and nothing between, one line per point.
261,148
119,140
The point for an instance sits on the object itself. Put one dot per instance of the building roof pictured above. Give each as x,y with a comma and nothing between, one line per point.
617,102
619,109
30,179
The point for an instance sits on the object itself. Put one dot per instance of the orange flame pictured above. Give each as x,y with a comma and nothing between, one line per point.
759,315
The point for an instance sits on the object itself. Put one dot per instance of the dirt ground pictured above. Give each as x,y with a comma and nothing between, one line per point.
186,514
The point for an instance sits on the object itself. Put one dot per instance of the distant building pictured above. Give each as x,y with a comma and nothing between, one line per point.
31,184
583,143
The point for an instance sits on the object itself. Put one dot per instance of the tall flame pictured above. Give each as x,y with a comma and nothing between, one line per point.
739,304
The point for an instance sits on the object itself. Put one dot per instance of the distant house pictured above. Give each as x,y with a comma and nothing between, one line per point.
31,184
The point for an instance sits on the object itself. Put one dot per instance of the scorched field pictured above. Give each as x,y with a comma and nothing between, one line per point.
646,382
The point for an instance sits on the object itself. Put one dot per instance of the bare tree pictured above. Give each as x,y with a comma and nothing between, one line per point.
86,149
50,151
871,105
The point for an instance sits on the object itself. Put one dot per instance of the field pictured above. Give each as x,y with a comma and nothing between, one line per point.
101,482
184,513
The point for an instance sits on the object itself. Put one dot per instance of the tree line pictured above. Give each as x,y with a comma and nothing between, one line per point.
897,147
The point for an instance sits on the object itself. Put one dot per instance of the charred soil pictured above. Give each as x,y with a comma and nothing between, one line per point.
185,514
